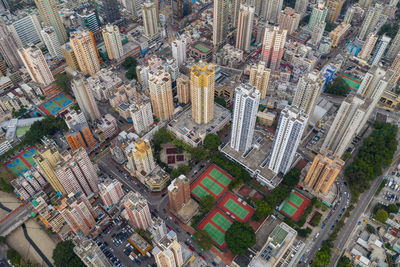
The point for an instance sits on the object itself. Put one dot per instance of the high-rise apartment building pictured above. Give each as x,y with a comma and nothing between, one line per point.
160,87
110,192
291,125
244,27
46,161
112,41
26,31
259,77
370,20
76,173
323,172
79,214
110,10
85,51
301,7
270,10
181,8
150,21
346,123
318,15
373,85
183,89
220,21
88,19
179,193
202,81
235,12
245,108
380,50
168,251
137,209
133,7
368,46
9,48
158,229
69,56
365,3
141,113
273,44
348,17
179,50
84,97
36,65
339,33
90,254
79,136
395,68
289,20
308,90
140,157
334,7
52,43
317,33
394,48
51,17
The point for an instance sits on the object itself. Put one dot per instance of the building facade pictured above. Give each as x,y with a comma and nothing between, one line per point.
179,193
318,15
183,89
160,87
289,20
244,27
137,209
150,20
52,43
82,43
220,21
110,192
273,44
259,77
84,97
112,41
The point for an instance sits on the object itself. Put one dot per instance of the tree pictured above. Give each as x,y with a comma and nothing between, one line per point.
329,26
221,101
212,141
203,239
64,256
323,257
263,209
180,170
392,208
75,107
292,177
239,237
198,154
206,203
338,87
371,229
131,73
381,215
162,136
129,62
343,262
63,82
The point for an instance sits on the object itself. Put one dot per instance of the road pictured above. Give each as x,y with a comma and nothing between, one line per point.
356,214
158,202
329,222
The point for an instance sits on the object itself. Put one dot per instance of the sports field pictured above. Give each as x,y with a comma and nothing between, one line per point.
354,83
295,206
213,181
203,48
22,162
235,206
216,224
56,104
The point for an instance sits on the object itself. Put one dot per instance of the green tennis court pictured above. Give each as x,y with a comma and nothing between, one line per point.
236,209
354,83
212,186
214,233
221,221
295,199
220,177
289,209
200,191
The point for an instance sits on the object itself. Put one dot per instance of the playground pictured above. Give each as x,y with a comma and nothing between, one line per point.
56,104
216,224
213,181
295,206
354,83
236,206
22,162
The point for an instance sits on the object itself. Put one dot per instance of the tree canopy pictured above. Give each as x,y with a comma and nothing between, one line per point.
221,101
206,203
130,65
323,257
162,136
292,178
203,239
393,208
389,30
64,256
376,152
239,237
338,87
63,82
381,215
212,141
263,209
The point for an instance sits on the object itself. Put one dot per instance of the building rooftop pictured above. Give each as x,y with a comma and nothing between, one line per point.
142,245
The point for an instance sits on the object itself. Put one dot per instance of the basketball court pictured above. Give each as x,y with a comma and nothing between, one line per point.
22,162
56,104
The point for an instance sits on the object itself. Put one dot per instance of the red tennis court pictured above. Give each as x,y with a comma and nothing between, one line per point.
236,206
295,206
214,181
216,224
